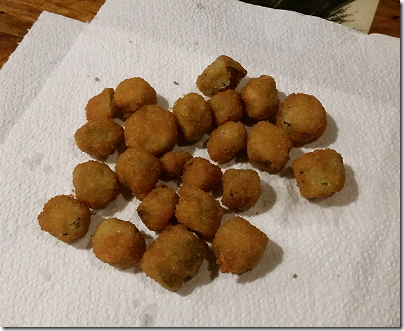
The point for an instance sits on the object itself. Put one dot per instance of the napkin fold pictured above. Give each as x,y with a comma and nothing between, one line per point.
332,262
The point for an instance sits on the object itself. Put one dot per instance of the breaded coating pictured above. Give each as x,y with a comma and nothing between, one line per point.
151,128
303,117
138,170
227,141
241,189
173,163
65,218
193,116
226,106
238,246
268,147
260,98
199,211
95,184
102,105
134,93
320,173
201,173
222,74
118,243
157,208
173,257
99,136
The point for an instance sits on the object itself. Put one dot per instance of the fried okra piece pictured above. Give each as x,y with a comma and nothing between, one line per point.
238,246
193,116
173,163
268,147
222,74
260,98
151,128
118,243
226,106
176,255
241,189
320,173
102,105
303,117
99,136
138,170
95,184
132,94
65,218
226,141
157,208
199,211
201,173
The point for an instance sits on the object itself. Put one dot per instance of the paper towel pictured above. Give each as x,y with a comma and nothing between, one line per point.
29,66
334,262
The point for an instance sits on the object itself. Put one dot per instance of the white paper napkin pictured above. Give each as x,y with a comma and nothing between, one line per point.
330,263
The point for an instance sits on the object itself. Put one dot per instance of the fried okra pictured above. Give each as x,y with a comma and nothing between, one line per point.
238,246
173,163
118,243
193,116
65,218
260,98
102,105
226,106
241,189
227,141
222,74
95,184
99,136
151,128
138,170
303,117
134,93
320,173
268,147
199,211
157,208
173,257
201,173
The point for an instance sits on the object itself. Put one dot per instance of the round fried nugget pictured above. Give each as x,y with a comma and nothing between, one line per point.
134,93
153,129
320,173
202,174
118,243
173,163
199,211
227,141
65,218
102,105
193,116
260,98
222,74
238,246
157,208
303,117
95,184
99,136
268,147
241,189
226,106
173,257
138,170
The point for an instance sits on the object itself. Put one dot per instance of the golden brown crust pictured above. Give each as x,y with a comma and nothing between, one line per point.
102,105
201,173
320,173
226,106
173,163
65,218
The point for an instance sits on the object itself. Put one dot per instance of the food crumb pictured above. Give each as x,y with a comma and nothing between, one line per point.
97,79
176,83
295,276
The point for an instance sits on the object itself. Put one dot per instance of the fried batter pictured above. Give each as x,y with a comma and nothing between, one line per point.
226,106
201,173
173,163
102,105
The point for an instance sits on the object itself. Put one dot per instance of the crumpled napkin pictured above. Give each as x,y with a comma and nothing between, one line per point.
333,262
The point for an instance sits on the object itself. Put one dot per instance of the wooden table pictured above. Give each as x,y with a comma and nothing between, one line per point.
17,17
